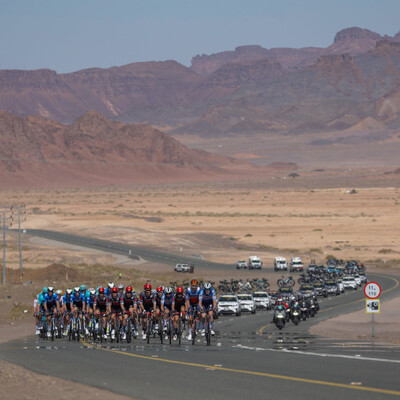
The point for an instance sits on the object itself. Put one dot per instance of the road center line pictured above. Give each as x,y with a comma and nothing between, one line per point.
262,374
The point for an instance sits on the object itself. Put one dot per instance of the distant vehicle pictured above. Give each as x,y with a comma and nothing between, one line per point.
332,287
286,293
363,277
341,285
306,290
273,295
241,264
254,262
247,302
296,265
262,300
312,268
280,264
357,278
350,283
229,304
184,268
320,289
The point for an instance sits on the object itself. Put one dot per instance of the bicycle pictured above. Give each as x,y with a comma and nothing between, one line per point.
207,329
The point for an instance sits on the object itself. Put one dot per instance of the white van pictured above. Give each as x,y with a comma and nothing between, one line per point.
254,262
280,264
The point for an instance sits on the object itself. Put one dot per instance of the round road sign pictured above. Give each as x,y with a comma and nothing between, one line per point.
372,290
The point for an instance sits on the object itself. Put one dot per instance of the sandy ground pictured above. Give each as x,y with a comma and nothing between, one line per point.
18,383
358,325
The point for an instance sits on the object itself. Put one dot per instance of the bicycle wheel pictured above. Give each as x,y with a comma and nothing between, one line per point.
78,330
208,331
70,326
194,331
169,330
128,330
179,330
148,328
94,330
52,329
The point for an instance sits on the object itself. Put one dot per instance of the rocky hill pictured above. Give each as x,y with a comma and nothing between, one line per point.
36,152
250,89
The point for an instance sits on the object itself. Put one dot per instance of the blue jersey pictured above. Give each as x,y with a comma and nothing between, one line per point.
78,300
68,300
208,298
90,301
50,301
193,296
167,301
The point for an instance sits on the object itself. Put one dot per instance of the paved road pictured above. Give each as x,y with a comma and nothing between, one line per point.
249,358
126,249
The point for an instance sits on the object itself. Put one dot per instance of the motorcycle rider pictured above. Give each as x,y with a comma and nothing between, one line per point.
279,306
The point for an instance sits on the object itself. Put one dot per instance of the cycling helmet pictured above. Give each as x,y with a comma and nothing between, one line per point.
207,286
168,290
129,289
92,291
82,288
147,286
194,282
110,285
120,286
59,291
44,290
50,289
69,291
76,289
159,289
279,300
114,290
101,290
179,289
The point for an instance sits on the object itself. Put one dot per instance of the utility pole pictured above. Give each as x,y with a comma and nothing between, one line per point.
4,247
19,237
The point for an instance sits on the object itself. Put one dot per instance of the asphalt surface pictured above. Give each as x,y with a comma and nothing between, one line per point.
126,249
248,357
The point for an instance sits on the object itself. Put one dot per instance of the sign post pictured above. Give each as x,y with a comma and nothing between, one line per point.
372,291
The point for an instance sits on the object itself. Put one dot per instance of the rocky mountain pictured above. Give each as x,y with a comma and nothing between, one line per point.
351,40
250,89
36,152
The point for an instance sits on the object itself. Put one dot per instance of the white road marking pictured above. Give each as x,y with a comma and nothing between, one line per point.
356,357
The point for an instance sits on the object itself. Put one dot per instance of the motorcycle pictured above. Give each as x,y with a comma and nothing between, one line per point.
303,310
295,314
312,310
280,318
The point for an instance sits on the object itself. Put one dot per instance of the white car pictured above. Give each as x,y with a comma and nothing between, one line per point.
183,268
241,264
255,262
296,265
357,278
247,302
262,300
341,285
280,264
229,304
349,283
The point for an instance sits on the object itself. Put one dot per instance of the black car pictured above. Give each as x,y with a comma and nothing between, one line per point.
320,289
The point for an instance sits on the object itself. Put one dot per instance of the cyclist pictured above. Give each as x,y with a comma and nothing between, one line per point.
51,305
114,308
166,305
38,309
100,305
146,305
79,305
207,305
89,308
157,305
67,309
110,285
60,300
129,307
121,289
178,308
192,303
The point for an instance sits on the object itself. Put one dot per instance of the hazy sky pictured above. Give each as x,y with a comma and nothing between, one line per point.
71,35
